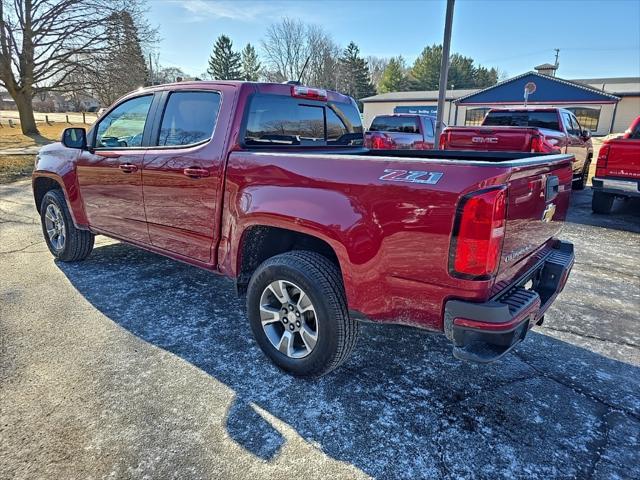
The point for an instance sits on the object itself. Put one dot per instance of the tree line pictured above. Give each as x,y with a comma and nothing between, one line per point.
292,50
103,49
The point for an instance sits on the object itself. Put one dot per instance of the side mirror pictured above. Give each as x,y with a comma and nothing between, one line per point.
74,138
586,134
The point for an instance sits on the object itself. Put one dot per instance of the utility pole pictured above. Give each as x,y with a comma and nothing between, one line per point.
444,71
557,55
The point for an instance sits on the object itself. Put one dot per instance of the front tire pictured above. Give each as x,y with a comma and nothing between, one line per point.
602,202
65,241
298,313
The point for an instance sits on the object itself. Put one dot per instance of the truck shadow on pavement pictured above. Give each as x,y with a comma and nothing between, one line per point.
624,216
401,406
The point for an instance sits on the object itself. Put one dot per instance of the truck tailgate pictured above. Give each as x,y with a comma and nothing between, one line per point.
538,199
510,139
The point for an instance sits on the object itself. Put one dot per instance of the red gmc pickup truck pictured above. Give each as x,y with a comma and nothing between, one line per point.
269,184
617,170
545,130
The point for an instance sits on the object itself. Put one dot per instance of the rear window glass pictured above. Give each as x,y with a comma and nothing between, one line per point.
277,120
548,120
395,124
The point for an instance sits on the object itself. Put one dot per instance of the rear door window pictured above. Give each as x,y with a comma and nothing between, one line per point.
277,120
189,118
395,124
548,120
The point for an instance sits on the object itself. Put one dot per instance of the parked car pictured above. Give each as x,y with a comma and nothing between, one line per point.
269,184
544,130
401,131
617,169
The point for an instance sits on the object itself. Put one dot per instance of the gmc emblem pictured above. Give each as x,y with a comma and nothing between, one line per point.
484,139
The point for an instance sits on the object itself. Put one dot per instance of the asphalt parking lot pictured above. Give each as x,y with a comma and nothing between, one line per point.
130,365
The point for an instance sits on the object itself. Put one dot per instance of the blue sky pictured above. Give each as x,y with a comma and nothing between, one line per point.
596,38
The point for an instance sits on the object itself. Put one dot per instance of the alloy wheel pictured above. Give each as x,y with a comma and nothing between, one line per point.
54,224
289,319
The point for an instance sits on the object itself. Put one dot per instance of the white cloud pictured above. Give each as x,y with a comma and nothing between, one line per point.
247,11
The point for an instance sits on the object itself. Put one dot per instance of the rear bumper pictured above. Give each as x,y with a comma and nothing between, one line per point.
484,332
617,186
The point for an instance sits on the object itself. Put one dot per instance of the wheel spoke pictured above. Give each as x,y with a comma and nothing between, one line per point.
304,303
51,232
309,337
50,214
286,343
285,292
269,314
279,289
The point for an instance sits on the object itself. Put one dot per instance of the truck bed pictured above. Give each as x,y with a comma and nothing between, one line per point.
390,221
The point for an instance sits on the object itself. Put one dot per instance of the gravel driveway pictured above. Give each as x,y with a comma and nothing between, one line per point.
130,365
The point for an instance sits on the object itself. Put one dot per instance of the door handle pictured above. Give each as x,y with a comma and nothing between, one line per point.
128,168
194,172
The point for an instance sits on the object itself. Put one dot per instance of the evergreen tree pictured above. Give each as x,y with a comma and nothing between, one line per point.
354,76
224,63
251,67
121,67
426,69
425,74
484,77
393,77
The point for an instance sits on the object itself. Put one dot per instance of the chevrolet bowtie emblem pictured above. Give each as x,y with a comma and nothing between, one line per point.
548,213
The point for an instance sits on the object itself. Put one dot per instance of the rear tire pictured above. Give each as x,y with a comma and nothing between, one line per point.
316,334
66,242
602,202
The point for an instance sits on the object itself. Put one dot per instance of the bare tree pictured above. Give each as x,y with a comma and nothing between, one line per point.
43,43
290,44
377,66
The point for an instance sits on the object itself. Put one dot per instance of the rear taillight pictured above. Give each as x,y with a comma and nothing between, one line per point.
536,144
382,142
478,233
444,140
309,93
603,157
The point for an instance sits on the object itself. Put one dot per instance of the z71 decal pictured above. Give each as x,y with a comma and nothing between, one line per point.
411,176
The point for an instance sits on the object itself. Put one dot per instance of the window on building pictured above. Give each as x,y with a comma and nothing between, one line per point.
475,116
587,117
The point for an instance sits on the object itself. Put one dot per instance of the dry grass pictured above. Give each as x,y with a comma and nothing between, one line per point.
15,167
13,137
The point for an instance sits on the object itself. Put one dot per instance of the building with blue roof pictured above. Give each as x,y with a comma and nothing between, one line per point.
603,105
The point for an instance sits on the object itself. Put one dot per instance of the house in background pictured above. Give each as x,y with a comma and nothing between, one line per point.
54,102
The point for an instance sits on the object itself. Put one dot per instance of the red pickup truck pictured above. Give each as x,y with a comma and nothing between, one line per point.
617,170
544,130
269,184
401,131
